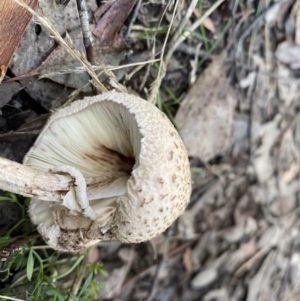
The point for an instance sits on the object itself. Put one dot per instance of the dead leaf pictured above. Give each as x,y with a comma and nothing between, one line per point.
13,22
296,14
243,253
259,286
14,145
217,295
93,255
114,14
288,90
61,67
210,274
37,44
107,55
116,278
295,270
187,261
288,53
270,237
205,116
263,163
7,91
204,278
207,22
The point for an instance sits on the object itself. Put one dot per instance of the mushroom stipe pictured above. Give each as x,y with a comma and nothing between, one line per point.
109,167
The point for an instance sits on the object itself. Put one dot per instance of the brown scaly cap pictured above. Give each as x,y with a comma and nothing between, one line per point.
134,148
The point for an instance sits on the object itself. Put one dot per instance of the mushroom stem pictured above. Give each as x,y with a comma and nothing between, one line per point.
49,186
29,182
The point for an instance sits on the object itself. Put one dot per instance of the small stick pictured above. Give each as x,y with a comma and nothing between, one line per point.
81,273
87,34
84,20
135,13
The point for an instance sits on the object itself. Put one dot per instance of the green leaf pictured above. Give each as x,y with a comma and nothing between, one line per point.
4,198
6,240
50,292
86,283
104,272
30,265
60,297
74,297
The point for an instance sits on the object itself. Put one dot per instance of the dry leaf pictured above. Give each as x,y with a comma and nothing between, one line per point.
205,117
262,162
13,22
14,145
116,278
217,295
113,13
210,274
208,24
59,60
296,14
288,90
259,286
204,278
37,44
288,53
7,91
187,261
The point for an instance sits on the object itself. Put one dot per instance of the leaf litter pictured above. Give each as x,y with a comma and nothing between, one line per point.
239,238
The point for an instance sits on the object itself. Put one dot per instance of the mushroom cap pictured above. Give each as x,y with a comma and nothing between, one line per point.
117,135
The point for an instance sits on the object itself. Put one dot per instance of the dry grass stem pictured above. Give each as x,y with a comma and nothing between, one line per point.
69,47
196,24
163,63
175,42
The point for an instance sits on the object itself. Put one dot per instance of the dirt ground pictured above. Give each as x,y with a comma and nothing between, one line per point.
232,89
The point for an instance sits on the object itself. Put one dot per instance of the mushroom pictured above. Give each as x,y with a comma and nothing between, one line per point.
123,171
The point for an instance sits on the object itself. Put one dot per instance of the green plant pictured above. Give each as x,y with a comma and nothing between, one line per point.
43,273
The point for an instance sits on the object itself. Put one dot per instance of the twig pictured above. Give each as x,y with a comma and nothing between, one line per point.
135,13
86,33
80,275
250,124
139,276
249,263
183,247
184,21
